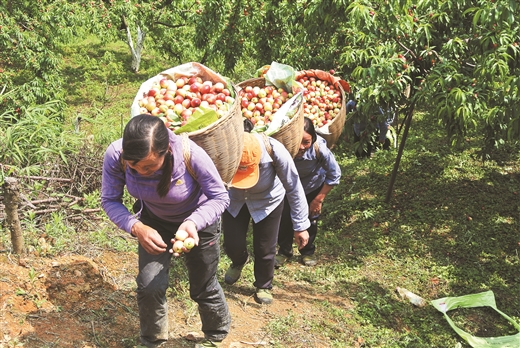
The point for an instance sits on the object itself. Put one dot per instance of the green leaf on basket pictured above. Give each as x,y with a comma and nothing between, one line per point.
229,86
201,118
175,118
281,76
259,129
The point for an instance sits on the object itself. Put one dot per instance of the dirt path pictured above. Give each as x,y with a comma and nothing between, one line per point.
80,302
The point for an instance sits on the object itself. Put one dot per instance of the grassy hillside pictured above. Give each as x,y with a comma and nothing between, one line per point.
450,229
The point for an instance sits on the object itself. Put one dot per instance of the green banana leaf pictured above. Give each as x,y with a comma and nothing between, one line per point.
201,118
484,299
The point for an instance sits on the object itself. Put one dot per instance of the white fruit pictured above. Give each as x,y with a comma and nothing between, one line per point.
189,243
181,235
177,246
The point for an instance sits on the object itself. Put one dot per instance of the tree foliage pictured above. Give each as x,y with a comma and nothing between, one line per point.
460,58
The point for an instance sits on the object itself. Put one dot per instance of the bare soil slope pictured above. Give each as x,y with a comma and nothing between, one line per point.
75,301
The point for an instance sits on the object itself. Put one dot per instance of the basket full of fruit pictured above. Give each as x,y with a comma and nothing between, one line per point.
325,102
262,105
193,99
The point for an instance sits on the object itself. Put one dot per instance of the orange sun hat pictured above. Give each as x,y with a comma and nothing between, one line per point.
248,171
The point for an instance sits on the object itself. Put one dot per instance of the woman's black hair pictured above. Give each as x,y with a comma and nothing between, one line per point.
144,134
248,125
308,127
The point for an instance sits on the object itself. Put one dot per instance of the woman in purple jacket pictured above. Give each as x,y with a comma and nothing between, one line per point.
149,161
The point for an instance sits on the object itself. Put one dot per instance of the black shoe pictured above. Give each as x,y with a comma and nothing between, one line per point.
233,273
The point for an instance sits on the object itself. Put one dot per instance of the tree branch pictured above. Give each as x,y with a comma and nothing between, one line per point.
171,26
406,49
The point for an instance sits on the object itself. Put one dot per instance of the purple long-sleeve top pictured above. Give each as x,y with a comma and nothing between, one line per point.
278,177
201,200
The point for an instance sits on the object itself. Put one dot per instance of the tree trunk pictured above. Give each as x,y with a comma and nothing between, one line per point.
408,122
12,200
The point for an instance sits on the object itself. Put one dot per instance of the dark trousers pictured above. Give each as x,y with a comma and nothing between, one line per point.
205,290
265,234
371,144
286,233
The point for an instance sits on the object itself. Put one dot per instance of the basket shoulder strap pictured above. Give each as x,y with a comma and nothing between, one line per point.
186,153
268,146
317,150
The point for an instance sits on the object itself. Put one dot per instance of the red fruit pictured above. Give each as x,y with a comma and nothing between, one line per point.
194,87
164,83
221,96
219,87
332,72
211,98
186,103
168,96
195,102
205,88
185,114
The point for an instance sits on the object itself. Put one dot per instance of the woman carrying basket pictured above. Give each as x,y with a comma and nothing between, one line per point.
265,175
149,161
319,173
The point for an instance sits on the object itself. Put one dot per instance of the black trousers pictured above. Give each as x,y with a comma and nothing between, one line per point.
265,234
152,283
286,233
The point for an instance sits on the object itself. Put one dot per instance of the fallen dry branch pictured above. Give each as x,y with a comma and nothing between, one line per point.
49,178
39,201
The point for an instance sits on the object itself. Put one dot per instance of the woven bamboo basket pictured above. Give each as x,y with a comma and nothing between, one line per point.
223,141
337,124
291,133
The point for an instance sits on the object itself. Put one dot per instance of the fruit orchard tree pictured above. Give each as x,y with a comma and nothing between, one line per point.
460,59
31,33
164,25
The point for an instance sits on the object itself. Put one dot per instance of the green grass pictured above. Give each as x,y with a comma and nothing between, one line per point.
450,229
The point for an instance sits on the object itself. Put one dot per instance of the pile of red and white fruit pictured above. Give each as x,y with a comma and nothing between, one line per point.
182,240
259,104
322,100
175,101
